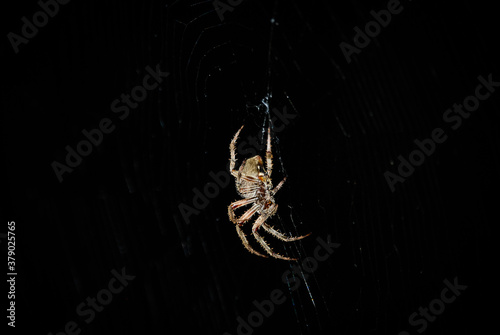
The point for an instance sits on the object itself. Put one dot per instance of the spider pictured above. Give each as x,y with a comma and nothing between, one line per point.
253,183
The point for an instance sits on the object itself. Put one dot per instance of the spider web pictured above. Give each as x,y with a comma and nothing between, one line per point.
236,70
351,121
266,56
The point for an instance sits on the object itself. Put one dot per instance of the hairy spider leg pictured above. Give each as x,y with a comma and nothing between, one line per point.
243,218
237,204
282,236
277,188
232,149
247,246
261,220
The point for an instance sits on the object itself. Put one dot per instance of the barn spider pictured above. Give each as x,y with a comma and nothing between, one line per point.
253,183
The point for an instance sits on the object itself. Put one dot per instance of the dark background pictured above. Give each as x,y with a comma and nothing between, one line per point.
119,208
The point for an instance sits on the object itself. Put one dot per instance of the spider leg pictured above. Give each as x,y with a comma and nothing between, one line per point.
277,188
263,243
245,217
282,236
247,246
232,150
272,210
242,219
238,204
269,154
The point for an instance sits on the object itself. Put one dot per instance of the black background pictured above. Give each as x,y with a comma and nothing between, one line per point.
119,208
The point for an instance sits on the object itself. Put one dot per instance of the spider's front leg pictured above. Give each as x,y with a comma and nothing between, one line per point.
232,150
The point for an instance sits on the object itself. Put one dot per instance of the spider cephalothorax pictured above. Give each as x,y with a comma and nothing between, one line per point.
254,185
